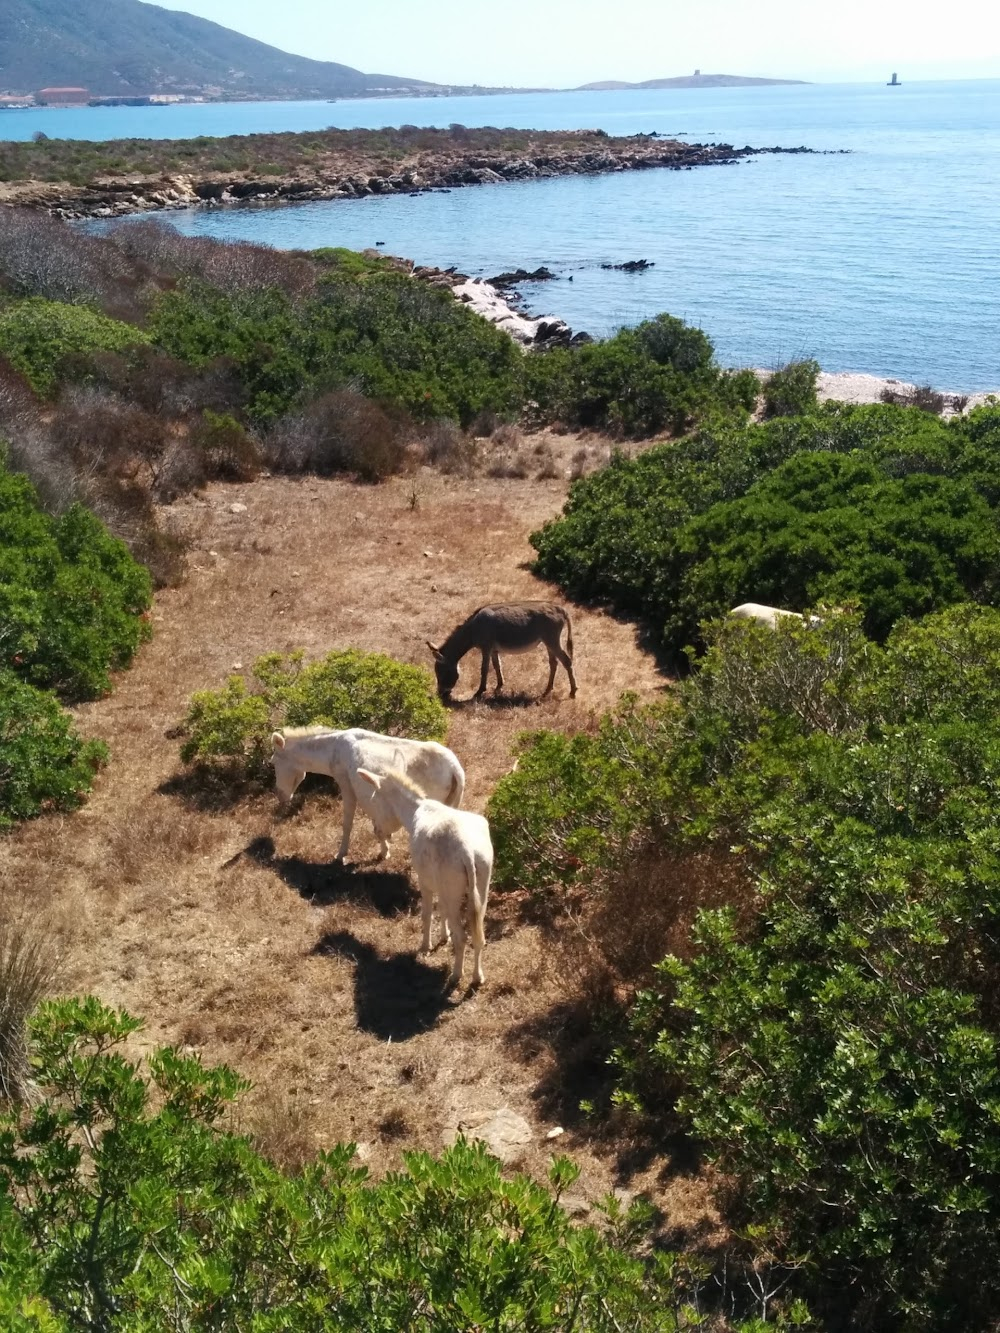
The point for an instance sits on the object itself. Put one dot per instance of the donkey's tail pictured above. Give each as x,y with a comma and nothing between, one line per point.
477,899
569,633
457,789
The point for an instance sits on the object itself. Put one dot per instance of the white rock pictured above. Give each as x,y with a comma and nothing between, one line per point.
487,301
503,1131
237,509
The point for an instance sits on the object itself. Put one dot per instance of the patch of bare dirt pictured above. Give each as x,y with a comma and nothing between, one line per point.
233,933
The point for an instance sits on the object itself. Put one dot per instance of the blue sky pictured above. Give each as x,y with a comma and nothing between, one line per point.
561,43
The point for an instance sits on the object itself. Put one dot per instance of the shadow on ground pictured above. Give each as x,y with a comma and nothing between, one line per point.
497,702
214,789
395,998
210,790
576,1092
327,882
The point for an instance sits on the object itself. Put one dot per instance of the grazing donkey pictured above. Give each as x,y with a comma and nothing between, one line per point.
339,754
768,615
513,627
453,858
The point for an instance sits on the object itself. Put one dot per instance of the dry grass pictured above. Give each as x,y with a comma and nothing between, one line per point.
230,929
27,972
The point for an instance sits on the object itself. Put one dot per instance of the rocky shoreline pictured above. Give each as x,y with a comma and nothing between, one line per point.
118,195
495,301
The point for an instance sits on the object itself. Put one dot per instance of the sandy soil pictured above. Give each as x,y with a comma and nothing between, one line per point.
853,387
231,930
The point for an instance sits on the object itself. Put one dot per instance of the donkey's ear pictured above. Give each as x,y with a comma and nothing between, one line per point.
277,740
435,651
370,778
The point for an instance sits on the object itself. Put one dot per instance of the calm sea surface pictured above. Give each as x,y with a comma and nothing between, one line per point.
885,260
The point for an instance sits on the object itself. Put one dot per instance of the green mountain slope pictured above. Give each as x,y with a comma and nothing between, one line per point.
126,47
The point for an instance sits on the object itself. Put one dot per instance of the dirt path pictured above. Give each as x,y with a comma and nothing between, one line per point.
231,931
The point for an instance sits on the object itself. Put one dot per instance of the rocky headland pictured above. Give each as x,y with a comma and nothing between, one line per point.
326,165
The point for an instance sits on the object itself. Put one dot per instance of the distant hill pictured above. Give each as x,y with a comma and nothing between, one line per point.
686,81
124,47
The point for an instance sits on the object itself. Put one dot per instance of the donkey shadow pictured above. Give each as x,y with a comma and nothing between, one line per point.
395,998
324,883
496,702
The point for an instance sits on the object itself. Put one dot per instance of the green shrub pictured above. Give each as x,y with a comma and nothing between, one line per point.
671,342
656,377
125,1203
883,506
71,597
37,336
232,727
833,528
823,810
834,1037
571,798
381,333
44,764
791,391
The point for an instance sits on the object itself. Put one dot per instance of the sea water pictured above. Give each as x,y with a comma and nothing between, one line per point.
885,259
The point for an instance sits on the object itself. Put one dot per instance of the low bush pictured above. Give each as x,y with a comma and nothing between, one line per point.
123,1192
42,256
819,861
231,728
656,377
922,396
832,528
393,339
38,337
884,506
44,764
340,432
791,391
448,448
572,798
72,599
224,449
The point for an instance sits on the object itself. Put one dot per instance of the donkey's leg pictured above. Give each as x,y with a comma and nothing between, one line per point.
552,672
445,927
383,837
484,674
458,949
496,668
349,804
567,662
426,914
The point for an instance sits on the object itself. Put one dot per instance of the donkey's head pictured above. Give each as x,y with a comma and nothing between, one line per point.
446,671
288,770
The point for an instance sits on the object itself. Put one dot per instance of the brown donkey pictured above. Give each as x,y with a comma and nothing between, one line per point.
510,627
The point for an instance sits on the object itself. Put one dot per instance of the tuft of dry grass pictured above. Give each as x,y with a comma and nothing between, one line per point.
27,970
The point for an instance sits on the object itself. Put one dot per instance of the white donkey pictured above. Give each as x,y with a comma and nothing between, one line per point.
453,858
769,615
339,754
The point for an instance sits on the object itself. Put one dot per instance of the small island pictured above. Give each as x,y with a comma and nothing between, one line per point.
695,80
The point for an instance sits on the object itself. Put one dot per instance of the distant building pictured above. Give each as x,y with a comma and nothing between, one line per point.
63,96
697,74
